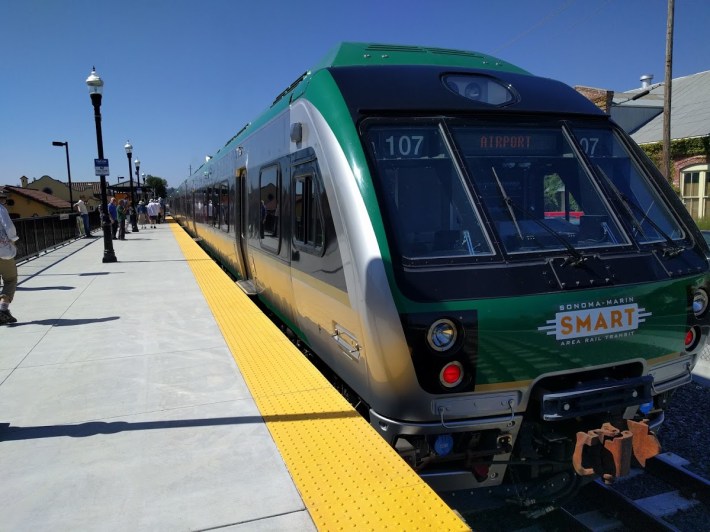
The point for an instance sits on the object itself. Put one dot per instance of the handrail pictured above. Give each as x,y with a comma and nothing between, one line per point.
41,233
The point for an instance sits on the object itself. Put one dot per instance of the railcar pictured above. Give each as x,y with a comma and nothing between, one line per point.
492,270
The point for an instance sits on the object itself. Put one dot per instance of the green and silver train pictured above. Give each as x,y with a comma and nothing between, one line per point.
492,270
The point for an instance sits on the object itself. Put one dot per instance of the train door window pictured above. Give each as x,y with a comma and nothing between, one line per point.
200,196
207,207
223,206
270,216
307,214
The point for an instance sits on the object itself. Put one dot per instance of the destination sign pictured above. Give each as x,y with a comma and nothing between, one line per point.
508,142
426,142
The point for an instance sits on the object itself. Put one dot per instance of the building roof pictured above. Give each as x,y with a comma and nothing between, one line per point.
94,187
690,108
39,196
90,187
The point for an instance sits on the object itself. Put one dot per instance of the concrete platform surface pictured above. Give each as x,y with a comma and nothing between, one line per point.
121,407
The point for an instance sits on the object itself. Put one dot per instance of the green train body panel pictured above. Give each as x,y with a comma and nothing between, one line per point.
523,338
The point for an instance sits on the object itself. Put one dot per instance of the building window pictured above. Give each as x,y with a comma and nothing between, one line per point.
695,191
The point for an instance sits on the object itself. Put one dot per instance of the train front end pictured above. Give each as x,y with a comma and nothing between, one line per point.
551,288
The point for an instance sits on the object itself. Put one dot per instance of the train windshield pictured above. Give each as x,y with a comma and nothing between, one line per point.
429,209
534,188
536,191
648,215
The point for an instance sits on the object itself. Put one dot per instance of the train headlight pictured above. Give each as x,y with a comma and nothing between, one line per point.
700,302
442,335
451,374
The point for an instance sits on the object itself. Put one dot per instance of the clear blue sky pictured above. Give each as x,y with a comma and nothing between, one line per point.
182,76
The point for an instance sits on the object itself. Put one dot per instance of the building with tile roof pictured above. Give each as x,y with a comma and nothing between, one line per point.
28,203
640,112
89,191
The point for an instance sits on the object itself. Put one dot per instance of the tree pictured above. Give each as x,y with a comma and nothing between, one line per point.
157,184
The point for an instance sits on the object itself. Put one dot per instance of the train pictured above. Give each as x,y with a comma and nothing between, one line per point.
490,269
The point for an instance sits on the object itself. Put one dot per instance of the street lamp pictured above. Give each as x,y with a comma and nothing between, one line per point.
66,145
132,210
96,87
145,195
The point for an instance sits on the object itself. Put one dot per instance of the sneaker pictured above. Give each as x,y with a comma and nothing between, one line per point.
6,317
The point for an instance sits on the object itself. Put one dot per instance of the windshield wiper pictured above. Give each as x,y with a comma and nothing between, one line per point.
671,249
508,203
575,257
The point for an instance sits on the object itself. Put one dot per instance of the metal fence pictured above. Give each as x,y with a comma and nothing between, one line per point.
40,234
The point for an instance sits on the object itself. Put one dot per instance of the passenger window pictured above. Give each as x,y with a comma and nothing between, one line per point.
223,207
270,209
307,214
211,207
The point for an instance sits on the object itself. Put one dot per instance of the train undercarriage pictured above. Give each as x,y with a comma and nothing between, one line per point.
564,439
576,428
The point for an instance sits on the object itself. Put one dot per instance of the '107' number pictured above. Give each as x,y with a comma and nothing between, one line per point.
404,145
589,145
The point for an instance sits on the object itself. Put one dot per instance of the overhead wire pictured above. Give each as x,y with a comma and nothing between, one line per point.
551,15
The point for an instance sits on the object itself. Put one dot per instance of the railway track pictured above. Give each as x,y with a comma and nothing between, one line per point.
664,496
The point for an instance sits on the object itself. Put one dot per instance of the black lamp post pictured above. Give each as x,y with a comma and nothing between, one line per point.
66,145
132,211
145,194
96,86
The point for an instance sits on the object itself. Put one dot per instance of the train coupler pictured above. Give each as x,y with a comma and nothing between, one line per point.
607,451
645,443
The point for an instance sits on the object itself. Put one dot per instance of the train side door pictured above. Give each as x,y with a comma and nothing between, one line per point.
325,317
193,211
242,222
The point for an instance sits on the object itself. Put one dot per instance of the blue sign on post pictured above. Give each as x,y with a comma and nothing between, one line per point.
101,166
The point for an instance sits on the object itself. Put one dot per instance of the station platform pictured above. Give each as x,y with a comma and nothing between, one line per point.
152,394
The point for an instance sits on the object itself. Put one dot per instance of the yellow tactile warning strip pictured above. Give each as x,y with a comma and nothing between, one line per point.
347,475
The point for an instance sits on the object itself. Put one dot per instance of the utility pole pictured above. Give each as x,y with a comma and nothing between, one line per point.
667,94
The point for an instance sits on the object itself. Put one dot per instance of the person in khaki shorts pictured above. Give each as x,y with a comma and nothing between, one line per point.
8,268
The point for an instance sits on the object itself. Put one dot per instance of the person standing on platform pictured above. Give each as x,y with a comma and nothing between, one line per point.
8,267
84,212
113,216
142,214
121,215
153,212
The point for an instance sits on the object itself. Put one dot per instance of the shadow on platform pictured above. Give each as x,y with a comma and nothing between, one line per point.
93,428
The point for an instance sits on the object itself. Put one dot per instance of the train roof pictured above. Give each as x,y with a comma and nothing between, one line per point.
364,54
396,63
